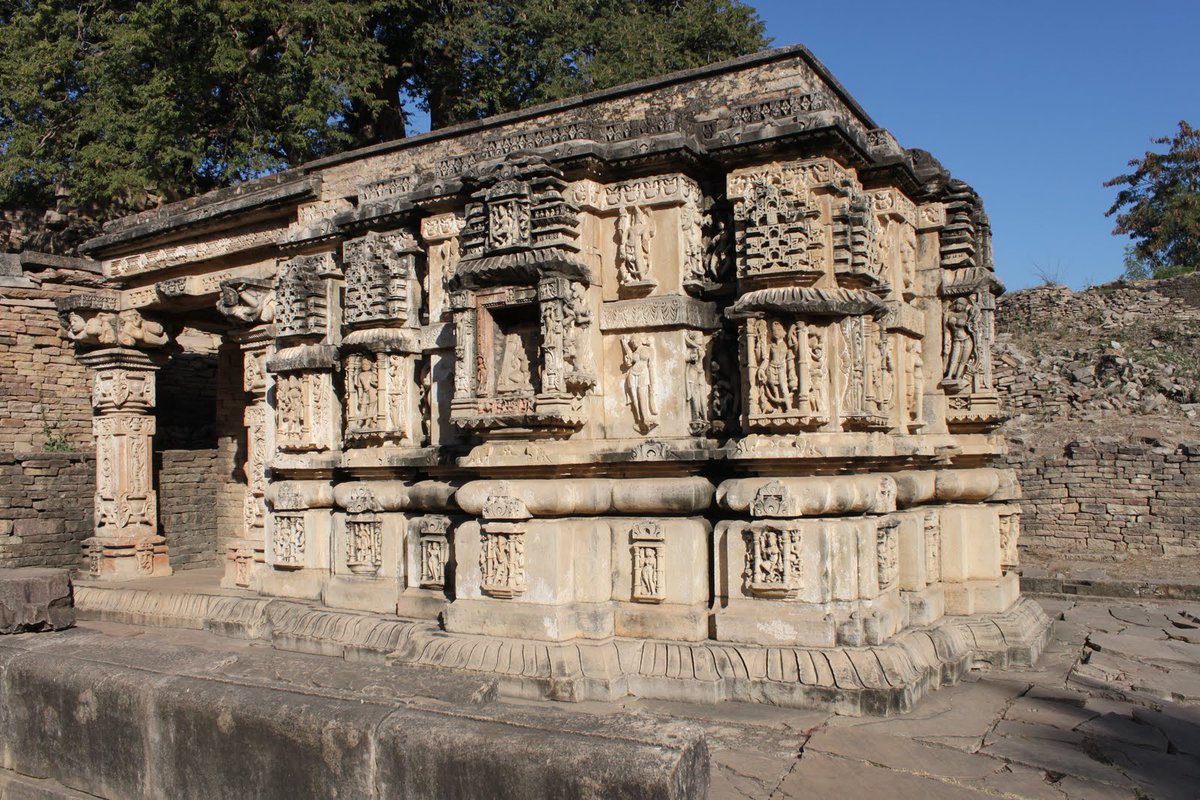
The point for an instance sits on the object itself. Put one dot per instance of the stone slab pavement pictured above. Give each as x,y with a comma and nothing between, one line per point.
1112,710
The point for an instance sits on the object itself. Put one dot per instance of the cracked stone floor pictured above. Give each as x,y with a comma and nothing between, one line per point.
1111,711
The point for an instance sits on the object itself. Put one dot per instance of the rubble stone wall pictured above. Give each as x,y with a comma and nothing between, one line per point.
1109,497
188,483
44,395
45,508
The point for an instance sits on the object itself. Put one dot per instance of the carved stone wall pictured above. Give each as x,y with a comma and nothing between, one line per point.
687,364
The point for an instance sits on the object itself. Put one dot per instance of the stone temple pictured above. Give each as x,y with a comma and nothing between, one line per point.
681,389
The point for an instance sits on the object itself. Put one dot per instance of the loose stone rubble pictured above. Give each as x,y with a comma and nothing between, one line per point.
682,389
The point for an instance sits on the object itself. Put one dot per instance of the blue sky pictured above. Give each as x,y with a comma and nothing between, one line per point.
1034,104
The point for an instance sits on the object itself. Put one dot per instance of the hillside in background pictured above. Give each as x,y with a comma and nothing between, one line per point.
1121,359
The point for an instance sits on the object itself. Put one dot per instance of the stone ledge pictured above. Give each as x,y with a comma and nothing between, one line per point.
123,717
881,680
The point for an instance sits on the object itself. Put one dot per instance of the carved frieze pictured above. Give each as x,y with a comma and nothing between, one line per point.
661,311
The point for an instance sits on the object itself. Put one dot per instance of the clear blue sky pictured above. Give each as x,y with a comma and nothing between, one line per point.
1034,104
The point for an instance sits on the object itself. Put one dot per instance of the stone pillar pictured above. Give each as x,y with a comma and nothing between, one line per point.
245,558
127,544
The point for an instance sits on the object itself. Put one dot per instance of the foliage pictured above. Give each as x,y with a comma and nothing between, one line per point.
116,105
53,438
1160,208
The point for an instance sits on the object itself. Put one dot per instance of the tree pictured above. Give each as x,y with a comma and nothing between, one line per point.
1160,208
110,106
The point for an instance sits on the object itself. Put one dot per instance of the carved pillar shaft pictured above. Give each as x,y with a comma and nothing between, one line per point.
126,543
245,555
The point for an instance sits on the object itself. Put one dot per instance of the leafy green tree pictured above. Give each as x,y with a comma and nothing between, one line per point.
1160,207
110,106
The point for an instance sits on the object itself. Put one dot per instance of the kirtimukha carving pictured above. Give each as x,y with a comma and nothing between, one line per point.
682,389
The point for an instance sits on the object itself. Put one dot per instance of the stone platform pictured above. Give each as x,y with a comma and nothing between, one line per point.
1112,710
122,712
885,679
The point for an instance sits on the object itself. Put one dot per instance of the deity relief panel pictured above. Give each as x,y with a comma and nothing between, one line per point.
635,233
774,562
969,305
933,547
648,550
1010,533
304,411
378,398
364,543
434,550
502,560
887,552
288,540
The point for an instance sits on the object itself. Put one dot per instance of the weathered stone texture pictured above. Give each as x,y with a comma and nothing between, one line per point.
1109,496
45,508
35,599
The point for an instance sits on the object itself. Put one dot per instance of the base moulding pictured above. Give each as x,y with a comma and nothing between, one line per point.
876,680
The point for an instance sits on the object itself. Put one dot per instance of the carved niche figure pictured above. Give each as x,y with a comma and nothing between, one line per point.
775,377
640,384
435,550
364,544
818,380
692,221
502,561
696,382
288,540
514,376
717,251
646,542
366,386
959,347
908,260
916,381
773,561
635,231
577,316
887,551
291,401
886,385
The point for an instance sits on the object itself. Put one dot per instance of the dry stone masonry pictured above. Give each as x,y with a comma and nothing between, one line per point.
683,389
